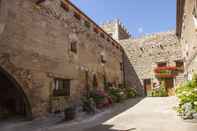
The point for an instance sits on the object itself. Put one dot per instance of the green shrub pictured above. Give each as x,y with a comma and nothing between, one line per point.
88,105
187,92
187,95
130,93
116,94
159,92
98,96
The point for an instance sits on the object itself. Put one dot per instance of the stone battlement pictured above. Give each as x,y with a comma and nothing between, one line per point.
116,29
153,39
113,22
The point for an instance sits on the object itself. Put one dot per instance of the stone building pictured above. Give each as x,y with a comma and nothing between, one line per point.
186,33
51,53
119,32
149,52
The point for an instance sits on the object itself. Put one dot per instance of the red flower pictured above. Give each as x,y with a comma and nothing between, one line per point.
169,68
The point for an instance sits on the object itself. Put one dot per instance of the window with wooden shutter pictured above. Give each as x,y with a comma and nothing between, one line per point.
73,46
161,64
103,59
61,87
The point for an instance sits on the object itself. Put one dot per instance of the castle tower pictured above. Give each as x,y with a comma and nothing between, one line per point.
116,29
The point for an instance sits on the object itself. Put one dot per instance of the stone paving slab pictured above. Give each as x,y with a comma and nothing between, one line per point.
140,114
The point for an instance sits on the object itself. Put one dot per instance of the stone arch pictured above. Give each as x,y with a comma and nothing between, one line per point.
19,90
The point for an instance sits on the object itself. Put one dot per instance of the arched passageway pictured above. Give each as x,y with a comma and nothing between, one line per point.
13,101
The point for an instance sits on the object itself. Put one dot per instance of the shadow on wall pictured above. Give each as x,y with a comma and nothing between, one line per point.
131,78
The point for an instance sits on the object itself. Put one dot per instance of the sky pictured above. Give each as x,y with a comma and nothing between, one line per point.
140,17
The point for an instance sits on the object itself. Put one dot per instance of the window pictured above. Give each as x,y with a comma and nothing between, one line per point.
121,66
87,24
180,65
95,82
141,49
61,87
103,59
73,46
102,35
161,64
195,9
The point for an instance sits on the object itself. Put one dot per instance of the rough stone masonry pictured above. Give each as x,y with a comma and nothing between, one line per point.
50,43
147,52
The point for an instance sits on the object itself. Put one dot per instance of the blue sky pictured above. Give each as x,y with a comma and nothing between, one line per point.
139,16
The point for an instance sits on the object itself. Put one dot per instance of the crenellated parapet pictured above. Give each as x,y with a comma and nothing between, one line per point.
116,29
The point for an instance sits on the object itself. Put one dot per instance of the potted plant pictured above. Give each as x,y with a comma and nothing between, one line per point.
69,113
88,105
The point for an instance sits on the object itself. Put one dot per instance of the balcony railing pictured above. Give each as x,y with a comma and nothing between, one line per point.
166,72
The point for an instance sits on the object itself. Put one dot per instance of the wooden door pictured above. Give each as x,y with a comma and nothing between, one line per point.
169,85
147,86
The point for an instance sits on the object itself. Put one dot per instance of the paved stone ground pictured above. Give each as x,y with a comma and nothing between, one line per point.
148,114
151,114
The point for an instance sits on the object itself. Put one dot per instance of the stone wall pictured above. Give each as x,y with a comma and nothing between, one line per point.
35,48
116,29
144,53
188,37
132,79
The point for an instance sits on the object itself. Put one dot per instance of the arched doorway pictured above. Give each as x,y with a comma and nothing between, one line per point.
13,101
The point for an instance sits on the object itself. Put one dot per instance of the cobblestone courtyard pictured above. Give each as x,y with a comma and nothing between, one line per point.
149,114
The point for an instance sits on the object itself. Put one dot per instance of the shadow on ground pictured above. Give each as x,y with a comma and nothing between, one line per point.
116,110
96,122
92,123
107,128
